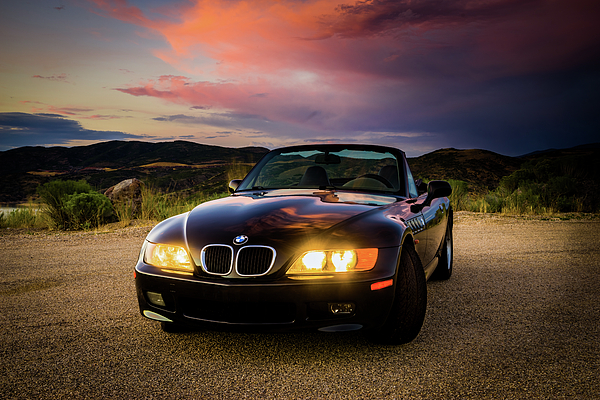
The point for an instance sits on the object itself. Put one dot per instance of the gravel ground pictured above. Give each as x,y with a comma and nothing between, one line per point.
518,319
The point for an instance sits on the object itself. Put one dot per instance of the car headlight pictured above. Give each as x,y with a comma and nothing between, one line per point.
169,257
331,261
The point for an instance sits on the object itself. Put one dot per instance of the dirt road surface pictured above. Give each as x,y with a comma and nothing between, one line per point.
520,318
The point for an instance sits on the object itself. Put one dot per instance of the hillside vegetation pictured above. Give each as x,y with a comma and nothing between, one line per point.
167,167
482,169
179,175
547,182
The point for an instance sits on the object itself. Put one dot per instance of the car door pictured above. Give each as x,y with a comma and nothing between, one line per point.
417,220
435,217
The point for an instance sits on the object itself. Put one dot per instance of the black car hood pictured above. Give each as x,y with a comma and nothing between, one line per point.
277,221
291,224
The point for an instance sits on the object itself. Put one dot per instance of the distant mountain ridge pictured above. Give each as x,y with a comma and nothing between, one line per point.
120,154
182,165
585,148
168,166
482,168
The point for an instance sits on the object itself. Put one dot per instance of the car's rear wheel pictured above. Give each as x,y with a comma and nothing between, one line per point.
444,268
406,317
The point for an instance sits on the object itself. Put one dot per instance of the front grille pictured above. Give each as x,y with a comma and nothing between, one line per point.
254,260
217,259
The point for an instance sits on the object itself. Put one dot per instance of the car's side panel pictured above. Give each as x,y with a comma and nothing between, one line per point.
420,239
435,220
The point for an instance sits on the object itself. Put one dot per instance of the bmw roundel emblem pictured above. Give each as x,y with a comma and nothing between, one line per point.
240,239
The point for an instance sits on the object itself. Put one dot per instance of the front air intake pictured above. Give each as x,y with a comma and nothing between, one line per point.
254,260
217,259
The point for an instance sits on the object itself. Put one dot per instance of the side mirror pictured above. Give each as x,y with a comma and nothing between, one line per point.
435,190
233,185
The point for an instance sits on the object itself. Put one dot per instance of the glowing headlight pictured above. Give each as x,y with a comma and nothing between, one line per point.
168,257
334,261
314,261
343,260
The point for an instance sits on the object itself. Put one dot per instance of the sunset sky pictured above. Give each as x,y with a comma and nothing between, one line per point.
503,75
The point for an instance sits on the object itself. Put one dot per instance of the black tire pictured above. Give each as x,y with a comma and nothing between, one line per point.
443,270
406,317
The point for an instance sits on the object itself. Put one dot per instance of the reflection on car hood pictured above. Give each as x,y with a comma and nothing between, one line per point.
270,218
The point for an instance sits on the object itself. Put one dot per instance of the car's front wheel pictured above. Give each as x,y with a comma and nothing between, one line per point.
406,317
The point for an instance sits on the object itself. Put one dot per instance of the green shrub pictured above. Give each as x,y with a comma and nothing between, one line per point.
459,199
54,195
494,202
159,206
87,210
27,217
524,200
74,204
550,185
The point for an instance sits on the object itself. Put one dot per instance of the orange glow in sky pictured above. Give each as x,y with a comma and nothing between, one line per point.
504,75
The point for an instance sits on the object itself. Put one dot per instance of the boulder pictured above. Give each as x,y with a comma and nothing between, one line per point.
127,192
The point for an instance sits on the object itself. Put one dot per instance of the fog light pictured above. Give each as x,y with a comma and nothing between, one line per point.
155,316
156,299
341,308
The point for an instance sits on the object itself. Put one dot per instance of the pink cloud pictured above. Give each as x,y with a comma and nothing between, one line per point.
258,98
39,107
56,78
120,10
99,117
374,38
373,66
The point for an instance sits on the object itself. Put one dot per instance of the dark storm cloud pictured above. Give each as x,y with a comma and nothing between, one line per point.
22,129
212,119
512,76
511,115
367,18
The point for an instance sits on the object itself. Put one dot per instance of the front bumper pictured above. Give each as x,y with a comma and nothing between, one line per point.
338,303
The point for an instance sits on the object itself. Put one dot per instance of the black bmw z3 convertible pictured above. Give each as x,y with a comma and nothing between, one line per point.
327,237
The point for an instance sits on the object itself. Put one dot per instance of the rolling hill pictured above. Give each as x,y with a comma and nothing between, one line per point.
193,167
167,166
482,169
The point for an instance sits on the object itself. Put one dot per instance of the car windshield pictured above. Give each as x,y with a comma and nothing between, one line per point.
323,168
